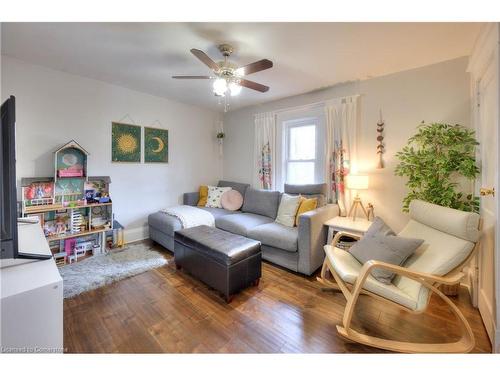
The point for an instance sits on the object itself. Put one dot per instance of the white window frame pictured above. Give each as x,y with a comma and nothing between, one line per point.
298,120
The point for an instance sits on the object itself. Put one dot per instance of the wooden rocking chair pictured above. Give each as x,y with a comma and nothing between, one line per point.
451,240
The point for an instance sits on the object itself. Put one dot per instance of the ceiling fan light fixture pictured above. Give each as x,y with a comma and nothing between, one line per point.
234,88
220,87
229,78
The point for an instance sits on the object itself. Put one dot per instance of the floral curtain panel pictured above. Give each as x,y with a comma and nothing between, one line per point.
341,117
265,151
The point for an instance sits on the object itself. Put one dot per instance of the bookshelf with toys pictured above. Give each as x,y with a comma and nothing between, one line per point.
74,210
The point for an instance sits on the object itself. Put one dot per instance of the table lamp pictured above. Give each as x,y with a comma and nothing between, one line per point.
356,182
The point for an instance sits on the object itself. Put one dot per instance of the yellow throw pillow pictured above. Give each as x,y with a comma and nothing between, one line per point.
202,202
306,204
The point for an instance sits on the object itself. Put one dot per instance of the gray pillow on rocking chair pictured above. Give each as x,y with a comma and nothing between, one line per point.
382,244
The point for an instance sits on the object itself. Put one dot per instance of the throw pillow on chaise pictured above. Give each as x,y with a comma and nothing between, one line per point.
232,200
202,201
215,196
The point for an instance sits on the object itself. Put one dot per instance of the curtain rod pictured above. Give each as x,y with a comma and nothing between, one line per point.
310,105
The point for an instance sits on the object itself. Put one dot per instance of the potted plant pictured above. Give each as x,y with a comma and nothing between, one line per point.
434,161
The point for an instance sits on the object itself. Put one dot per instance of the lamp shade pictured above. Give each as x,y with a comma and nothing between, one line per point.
357,182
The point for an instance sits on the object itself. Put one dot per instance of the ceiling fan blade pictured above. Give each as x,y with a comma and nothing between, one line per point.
205,59
253,85
192,77
255,67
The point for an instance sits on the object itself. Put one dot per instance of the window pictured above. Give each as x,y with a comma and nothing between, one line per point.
302,156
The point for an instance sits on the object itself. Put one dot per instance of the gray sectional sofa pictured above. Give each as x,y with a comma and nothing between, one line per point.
299,249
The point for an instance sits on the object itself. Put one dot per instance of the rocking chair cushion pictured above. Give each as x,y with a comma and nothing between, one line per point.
438,255
348,268
461,224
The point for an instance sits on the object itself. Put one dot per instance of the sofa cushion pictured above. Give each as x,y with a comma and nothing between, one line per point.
317,191
217,212
307,189
169,224
276,235
164,223
241,223
261,202
191,199
234,185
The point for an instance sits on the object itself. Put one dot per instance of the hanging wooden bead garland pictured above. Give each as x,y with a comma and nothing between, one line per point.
380,139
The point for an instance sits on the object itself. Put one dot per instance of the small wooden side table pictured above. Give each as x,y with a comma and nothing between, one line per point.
346,224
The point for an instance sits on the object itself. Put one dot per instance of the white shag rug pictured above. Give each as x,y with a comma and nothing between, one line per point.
100,270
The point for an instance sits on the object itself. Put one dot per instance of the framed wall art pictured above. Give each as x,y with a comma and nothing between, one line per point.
155,145
125,143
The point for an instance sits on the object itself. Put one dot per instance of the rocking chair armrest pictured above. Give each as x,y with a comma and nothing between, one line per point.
340,234
426,279
403,271
464,345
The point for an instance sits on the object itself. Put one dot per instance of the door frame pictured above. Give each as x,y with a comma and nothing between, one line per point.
485,53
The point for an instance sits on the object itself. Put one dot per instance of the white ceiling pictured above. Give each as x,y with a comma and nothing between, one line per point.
306,56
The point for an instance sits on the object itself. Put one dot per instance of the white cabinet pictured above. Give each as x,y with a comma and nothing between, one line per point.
31,298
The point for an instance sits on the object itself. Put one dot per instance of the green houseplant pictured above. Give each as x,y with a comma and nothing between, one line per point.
434,160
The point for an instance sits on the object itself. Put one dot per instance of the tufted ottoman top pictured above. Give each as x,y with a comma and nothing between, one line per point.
223,247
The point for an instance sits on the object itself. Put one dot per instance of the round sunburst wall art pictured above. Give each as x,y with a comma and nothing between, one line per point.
126,143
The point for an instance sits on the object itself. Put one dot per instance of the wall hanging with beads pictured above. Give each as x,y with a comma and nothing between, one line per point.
380,140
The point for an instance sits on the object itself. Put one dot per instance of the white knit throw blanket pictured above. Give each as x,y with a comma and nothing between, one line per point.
190,216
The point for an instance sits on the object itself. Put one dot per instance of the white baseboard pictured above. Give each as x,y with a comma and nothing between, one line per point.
486,311
136,234
496,343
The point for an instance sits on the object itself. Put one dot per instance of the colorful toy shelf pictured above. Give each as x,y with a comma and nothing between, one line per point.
57,207
84,233
74,210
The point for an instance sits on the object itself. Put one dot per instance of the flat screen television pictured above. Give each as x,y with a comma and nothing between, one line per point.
8,195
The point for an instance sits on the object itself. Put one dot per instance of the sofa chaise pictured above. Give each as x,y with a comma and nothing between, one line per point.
299,249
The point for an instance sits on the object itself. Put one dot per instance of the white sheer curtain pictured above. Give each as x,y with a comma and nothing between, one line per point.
265,151
341,119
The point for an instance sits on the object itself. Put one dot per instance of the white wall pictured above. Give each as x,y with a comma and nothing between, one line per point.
54,107
435,93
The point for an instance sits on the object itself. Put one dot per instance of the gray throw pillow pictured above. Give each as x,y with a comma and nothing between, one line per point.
379,227
380,243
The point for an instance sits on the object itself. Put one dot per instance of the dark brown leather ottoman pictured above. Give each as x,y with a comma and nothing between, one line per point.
225,261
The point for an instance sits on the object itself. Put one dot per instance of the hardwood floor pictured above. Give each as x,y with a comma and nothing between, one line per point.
168,311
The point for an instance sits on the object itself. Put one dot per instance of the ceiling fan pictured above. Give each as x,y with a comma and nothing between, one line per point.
227,75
